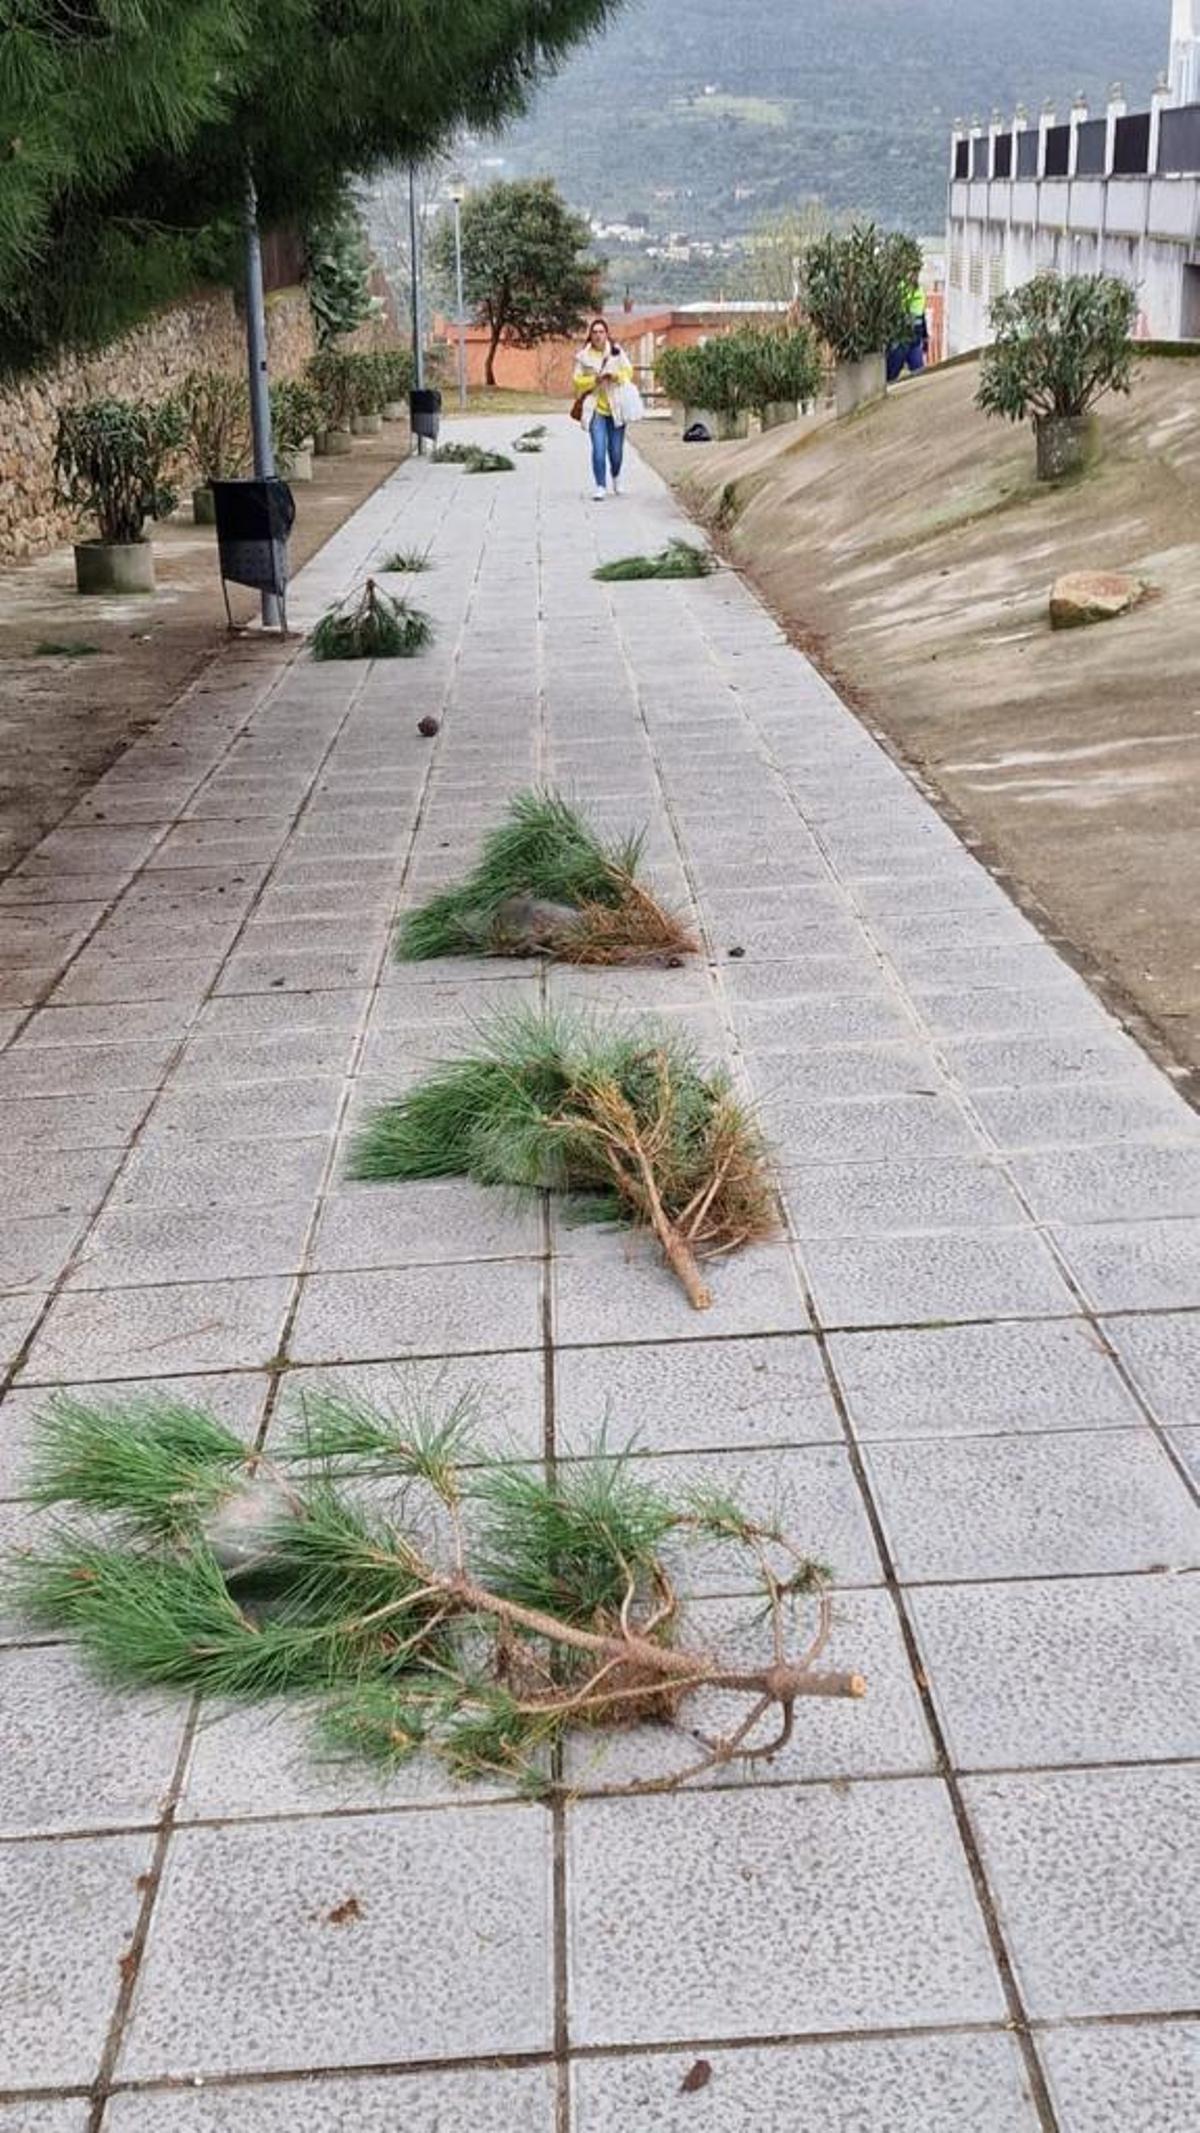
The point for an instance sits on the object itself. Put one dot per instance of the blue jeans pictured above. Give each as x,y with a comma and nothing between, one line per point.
608,448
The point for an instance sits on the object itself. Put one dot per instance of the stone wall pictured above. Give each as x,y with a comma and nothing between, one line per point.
206,333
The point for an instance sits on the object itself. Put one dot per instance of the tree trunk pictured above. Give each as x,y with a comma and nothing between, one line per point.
489,371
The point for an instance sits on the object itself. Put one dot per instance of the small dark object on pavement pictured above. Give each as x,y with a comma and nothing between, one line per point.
697,433
428,727
737,953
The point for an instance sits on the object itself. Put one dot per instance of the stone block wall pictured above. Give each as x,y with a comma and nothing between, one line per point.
206,333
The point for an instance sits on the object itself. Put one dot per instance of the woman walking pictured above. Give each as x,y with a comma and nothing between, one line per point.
603,372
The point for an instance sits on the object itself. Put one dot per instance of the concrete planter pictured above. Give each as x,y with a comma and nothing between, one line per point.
859,384
724,428
114,567
778,413
1066,444
395,410
204,509
366,425
333,444
297,465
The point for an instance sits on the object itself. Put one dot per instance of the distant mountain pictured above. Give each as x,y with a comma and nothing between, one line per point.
706,115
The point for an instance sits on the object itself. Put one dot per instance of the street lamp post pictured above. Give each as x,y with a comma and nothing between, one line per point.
458,193
256,355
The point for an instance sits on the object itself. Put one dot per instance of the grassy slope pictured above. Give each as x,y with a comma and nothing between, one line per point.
914,550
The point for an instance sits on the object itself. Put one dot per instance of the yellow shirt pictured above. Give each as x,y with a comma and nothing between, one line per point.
587,381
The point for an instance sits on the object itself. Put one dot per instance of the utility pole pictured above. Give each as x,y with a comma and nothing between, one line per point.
458,193
414,245
256,355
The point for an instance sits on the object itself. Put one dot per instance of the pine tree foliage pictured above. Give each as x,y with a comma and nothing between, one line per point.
413,1593
125,127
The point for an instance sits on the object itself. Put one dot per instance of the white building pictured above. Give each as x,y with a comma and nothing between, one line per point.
1114,194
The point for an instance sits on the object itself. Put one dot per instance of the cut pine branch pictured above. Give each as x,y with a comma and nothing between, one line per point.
372,625
545,884
622,1116
479,1613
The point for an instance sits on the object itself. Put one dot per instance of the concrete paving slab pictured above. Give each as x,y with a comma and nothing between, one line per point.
695,1396
1088,1670
1085,1866
860,1867
337,1985
1163,1355
71,1909
519,2099
75,1762
980,1380
967,2084
1138,2078
1032,1506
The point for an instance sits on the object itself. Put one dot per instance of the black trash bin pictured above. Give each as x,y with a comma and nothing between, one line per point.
425,412
254,518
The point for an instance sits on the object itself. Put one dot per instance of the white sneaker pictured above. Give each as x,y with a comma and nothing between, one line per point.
597,496
617,489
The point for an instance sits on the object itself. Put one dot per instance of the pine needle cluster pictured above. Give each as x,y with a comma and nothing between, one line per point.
372,626
473,459
478,1611
679,559
546,884
409,561
624,1117
530,440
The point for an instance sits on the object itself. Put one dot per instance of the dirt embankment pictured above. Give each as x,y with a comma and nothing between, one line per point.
65,716
912,552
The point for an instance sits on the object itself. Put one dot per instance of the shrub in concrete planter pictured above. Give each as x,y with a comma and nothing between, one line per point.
110,464
296,417
216,414
1060,343
368,392
331,377
395,373
752,369
333,444
856,294
859,384
710,385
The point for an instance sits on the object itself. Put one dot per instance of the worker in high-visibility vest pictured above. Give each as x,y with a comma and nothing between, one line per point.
911,354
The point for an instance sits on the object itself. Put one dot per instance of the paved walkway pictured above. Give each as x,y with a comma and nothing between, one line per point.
969,1378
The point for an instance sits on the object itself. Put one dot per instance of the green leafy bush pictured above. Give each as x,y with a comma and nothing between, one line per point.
753,367
297,413
111,461
216,413
1060,344
856,289
332,378
395,372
